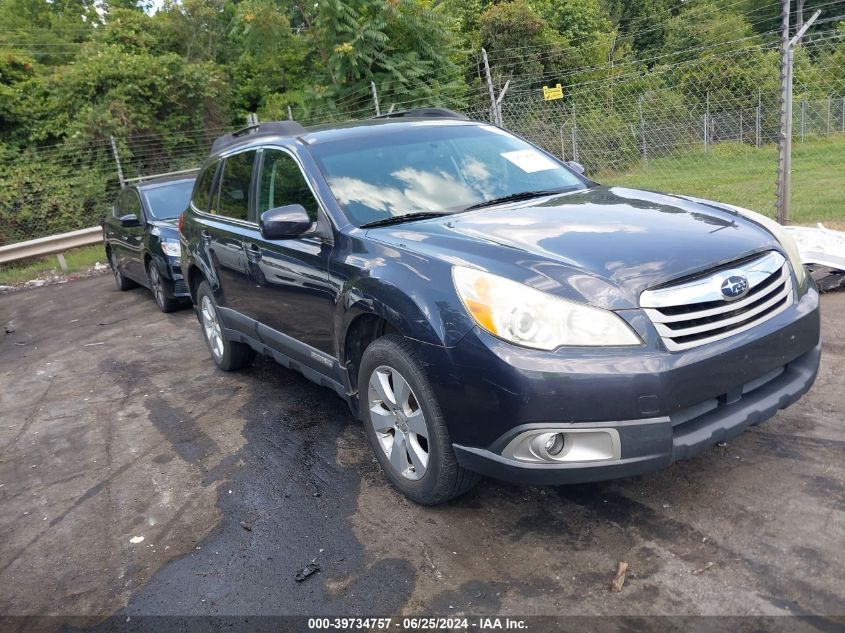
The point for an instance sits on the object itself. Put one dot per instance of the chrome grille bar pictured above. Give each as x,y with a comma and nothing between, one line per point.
695,312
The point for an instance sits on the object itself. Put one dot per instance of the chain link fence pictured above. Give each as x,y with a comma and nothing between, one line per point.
708,126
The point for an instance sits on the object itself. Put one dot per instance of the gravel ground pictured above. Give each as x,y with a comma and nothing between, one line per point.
136,478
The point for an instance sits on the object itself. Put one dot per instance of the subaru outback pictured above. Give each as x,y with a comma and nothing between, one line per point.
486,309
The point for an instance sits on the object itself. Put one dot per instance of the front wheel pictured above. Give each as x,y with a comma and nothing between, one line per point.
164,303
405,427
229,355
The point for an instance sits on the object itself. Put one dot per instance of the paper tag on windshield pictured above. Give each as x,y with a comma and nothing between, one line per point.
530,160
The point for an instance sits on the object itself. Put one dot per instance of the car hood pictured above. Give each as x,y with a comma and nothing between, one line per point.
166,228
603,245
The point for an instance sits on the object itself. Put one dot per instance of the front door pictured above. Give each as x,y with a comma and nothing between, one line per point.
132,262
292,295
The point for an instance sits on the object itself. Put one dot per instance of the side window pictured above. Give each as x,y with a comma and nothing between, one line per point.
282,183
132,204
234,186
117,209
201,198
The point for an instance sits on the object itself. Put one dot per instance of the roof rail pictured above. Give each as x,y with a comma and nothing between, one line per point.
271,128
422,113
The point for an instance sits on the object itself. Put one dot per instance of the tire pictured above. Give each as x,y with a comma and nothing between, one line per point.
407,414
122,282
164,303
228,355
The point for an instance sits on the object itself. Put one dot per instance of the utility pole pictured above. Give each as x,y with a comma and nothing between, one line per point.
117,162
785,153
375,97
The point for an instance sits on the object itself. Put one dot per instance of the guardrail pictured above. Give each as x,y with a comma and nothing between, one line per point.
51,245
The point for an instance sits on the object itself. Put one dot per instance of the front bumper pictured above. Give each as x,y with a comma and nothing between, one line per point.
174,283
665,406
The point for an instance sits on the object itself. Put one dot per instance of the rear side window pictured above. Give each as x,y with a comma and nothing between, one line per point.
202,191
235,185
282,183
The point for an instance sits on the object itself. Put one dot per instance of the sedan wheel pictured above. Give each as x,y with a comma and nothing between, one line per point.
122,282
155,283
211,328
398,422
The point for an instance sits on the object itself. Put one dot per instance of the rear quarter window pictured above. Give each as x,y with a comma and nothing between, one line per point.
201,198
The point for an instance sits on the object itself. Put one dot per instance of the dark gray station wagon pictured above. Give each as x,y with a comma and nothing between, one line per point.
486,309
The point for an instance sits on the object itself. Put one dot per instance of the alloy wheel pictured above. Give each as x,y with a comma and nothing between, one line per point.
155,282
211,327
118,278
398,422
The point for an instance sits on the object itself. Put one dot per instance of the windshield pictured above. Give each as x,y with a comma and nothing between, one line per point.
166,202
434,169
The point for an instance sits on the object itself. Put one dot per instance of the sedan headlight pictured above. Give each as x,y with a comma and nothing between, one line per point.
786,240
171,248
529,317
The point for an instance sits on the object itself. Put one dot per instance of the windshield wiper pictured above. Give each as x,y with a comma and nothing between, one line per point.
408,217
516,197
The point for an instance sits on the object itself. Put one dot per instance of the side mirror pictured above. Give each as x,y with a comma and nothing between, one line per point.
282,222
575,165
129,219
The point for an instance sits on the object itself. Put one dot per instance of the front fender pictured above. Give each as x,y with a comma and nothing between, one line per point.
421,307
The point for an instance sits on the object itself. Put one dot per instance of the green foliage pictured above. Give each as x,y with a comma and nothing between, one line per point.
75,72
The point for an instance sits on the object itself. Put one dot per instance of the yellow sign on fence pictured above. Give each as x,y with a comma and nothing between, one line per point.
549,94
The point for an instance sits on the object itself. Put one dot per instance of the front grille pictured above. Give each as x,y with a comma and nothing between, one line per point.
695,312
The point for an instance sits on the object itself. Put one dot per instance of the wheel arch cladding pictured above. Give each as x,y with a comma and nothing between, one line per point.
427,310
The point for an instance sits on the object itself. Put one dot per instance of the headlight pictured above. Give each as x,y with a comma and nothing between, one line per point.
529,317
171,248
787,242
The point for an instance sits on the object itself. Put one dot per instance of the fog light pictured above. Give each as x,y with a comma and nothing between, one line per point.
554,445
573,445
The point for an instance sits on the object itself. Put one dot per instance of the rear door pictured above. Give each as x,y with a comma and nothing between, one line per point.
292,298
221,234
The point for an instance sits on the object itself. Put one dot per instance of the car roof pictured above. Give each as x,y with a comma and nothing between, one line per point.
286,131
356,129
163,181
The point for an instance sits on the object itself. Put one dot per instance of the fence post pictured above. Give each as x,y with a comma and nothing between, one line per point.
117,162
642,132
757,121
785,148
785,140
843,114
290,114
562,148
574,134
740,125
494,110
828,114
375,97
706,122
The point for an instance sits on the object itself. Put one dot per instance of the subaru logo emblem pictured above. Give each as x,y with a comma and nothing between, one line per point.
734,287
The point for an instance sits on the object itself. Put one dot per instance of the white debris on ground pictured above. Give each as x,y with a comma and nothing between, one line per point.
819,245
823,251
136,539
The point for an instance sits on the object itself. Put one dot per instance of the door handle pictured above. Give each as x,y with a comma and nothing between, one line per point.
253,252
205,236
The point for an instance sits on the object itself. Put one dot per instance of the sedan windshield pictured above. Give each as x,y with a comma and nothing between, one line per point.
166,202
435,169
